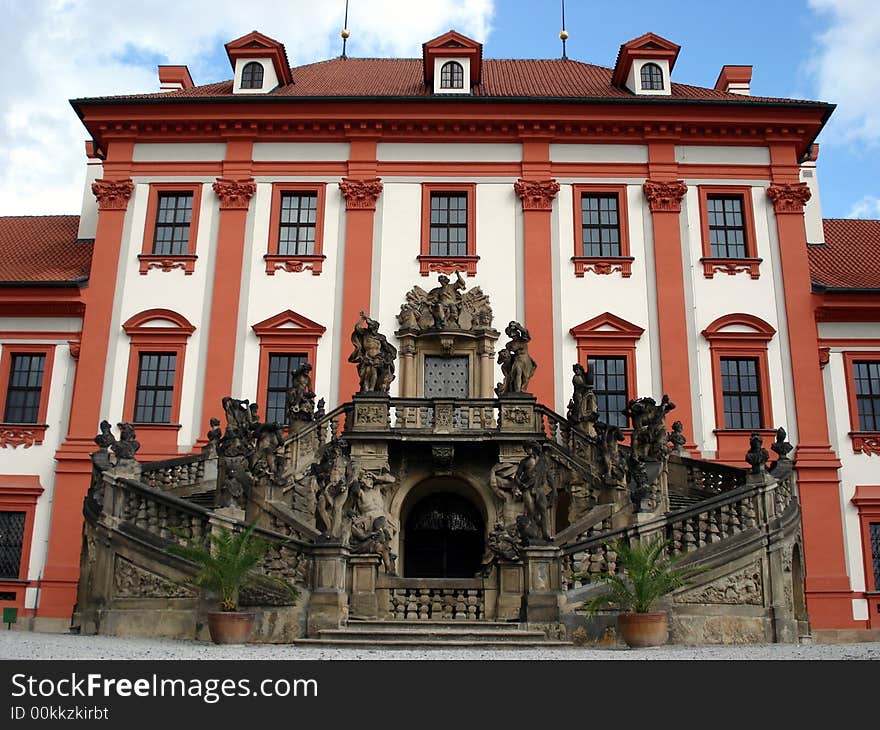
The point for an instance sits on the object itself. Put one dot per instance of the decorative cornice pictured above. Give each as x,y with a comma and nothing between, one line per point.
789,197
187,262
731,267
234,194
536,194
293,264
603,265
447,264
113,194
25,436
360,194
664,197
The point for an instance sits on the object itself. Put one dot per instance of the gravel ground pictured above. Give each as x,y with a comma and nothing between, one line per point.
27,645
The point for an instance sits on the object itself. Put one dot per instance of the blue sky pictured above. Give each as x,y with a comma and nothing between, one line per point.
813,49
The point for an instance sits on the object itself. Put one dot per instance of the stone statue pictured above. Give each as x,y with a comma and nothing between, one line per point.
536,482
757,455
374,356
614,468
504,543
105,441
127,445
447,306
373,537
331,473
215,433
648,419
266,462
300,399
677,438
583,408
320,411
780,445
516,364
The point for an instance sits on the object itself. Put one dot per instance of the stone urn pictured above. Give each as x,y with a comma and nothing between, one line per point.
641,630
231,627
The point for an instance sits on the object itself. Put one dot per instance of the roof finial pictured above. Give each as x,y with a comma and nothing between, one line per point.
563,34
345,32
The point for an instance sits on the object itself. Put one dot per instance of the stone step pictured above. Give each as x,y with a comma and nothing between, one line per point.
434,644
432,624
426,634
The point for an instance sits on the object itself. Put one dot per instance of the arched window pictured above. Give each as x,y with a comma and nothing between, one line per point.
652,77
252,76
451,75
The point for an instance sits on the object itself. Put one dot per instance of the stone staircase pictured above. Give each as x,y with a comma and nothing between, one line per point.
439,634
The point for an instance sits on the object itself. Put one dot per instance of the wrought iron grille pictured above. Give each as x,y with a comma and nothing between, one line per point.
11,537
446,377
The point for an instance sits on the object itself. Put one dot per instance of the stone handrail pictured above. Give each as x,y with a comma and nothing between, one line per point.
174,473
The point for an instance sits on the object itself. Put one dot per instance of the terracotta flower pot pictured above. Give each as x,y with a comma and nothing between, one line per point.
643,629
230,627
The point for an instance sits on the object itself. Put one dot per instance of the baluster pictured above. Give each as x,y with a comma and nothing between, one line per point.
690,539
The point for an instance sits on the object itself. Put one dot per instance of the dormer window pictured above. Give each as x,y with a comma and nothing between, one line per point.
652,77
451,75
252,76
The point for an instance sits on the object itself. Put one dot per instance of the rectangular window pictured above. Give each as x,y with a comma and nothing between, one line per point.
609,385
727,230
11,539
449,224
600,224
298,223
25,388
280,367
155,387
173,219
741,392
874,528
867,381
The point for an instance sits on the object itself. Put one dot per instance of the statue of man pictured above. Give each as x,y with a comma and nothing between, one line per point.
583,409
534,478
374,356
520,365
300,396
445,301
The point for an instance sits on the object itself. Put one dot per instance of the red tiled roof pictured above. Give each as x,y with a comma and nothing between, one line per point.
850,257
502,78
42,249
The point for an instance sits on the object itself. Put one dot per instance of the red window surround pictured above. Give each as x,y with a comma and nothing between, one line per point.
449,264
295,262
166,262
863,442
156,330
286,333
730,266
25,434
19,493
727,339
609,336
867,500
601,264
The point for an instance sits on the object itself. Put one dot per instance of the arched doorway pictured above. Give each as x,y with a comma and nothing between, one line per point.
444,537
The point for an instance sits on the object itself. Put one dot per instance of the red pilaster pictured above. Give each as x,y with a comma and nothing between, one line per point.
361,194
828,588
537,205
74,468
664,200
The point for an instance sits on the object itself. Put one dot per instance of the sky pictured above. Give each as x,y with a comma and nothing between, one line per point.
62,49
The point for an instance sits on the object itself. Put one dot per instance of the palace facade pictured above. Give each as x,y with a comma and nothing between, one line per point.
667,237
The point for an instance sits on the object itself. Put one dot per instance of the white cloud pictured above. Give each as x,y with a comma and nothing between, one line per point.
867,207
845,68
57,50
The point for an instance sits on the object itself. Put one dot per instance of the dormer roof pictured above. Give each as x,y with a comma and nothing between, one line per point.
648,46
257,45
454,45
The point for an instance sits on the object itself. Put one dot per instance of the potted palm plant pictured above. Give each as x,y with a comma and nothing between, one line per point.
226,560
646,574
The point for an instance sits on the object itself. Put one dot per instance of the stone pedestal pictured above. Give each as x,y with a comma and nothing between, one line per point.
363,602
542,584
328,602
517,413
510,592
370,412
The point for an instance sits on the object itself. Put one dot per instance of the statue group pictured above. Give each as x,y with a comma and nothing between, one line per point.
446,307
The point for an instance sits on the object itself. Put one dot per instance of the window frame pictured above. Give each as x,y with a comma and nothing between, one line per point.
751,262
264,404
25,434
601,265
449,64
156,331
627,394
867,501
651,65
295,262
608,335
250,87
739,336
286,333
429,263
863,442
168,262
19,493
740,393
139,387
